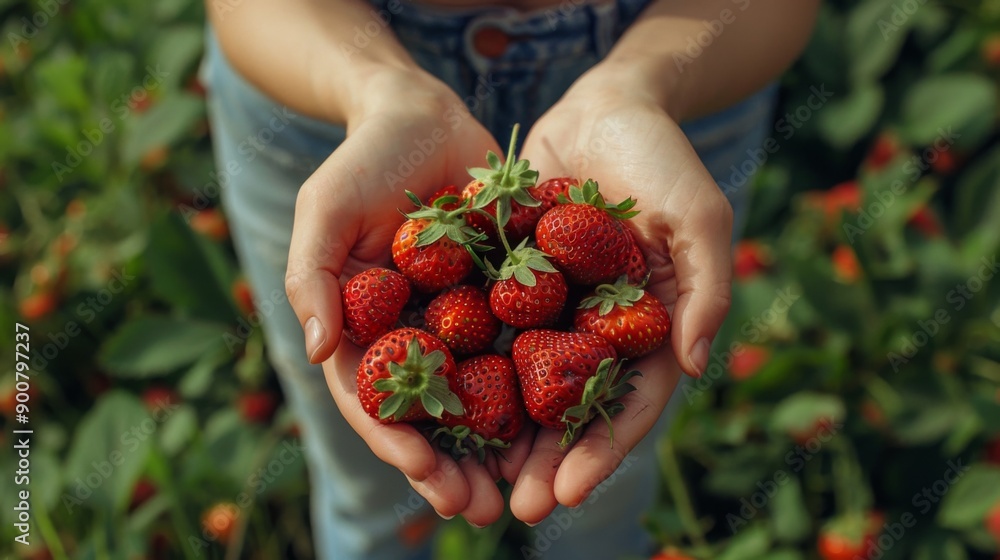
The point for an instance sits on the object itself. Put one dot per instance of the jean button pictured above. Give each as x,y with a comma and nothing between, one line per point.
490,42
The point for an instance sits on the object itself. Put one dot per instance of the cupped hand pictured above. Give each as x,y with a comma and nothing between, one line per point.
632,147
420,139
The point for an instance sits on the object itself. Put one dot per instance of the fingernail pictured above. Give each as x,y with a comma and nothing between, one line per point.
532,524
477,526
699,356
315,337
443,516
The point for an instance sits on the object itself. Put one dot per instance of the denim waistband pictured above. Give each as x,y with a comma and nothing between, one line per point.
570,29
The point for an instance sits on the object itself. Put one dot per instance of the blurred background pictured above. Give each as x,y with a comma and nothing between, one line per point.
851,408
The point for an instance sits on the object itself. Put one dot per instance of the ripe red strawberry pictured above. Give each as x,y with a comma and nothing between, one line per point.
845,264
434,247
587,239
750,257
637,270
992,522
630,318
885,148
747,363
243,296
925,221
462,319
158,397
373,301
144,490
404,376
503,190
38,305
210,223
450,190
494,413
530,292
523,219
568,378
257,406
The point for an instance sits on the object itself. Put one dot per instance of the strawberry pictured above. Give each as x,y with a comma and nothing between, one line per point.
404,376
143,491
530,292
992,522
990,50
637,270
243,296
487,387
586,238
925,221
845,264
568,378
219,521
523,219
450,191
461,318
257,406
630,318
747,363
883,151
750,257
496,190
38,305
373,301
434,248
158,397
210,223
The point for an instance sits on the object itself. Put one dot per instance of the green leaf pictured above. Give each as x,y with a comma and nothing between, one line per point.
966,503
749,542
166,122
62,77
154,345
875,33
109,451
938,545
846,120
175,51
790,515
178,429
801,411
190,272
957,108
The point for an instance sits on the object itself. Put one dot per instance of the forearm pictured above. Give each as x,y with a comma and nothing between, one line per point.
694,57
308,54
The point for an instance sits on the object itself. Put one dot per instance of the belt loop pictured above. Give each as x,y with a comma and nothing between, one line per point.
604,18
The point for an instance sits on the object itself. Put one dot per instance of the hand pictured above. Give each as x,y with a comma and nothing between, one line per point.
345,220
632,147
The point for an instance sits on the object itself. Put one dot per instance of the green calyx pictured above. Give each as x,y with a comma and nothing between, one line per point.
604,387
446,223
461,440
520,264
505,182
607,296
588,194
414,380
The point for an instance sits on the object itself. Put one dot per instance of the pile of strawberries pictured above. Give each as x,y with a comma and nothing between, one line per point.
560,243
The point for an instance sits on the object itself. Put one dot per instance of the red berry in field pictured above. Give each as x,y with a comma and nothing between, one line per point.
257,406
493,413
832,546
586,239
946,162
670,555
405,376
219,521
159,397
143,491
461,317
529,292
845,264
38,305
991,51
432,247
553,369
373,302
885,148
992,451
750,258
154,159
637,271
748,362
243,296
993,522
926,222
210,223
630,318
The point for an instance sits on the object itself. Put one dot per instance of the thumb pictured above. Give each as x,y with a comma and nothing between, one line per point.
703,266
323,230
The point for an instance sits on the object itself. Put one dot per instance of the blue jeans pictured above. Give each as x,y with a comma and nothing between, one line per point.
264,152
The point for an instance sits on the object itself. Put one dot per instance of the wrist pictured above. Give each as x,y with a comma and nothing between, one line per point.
638,78
377,88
